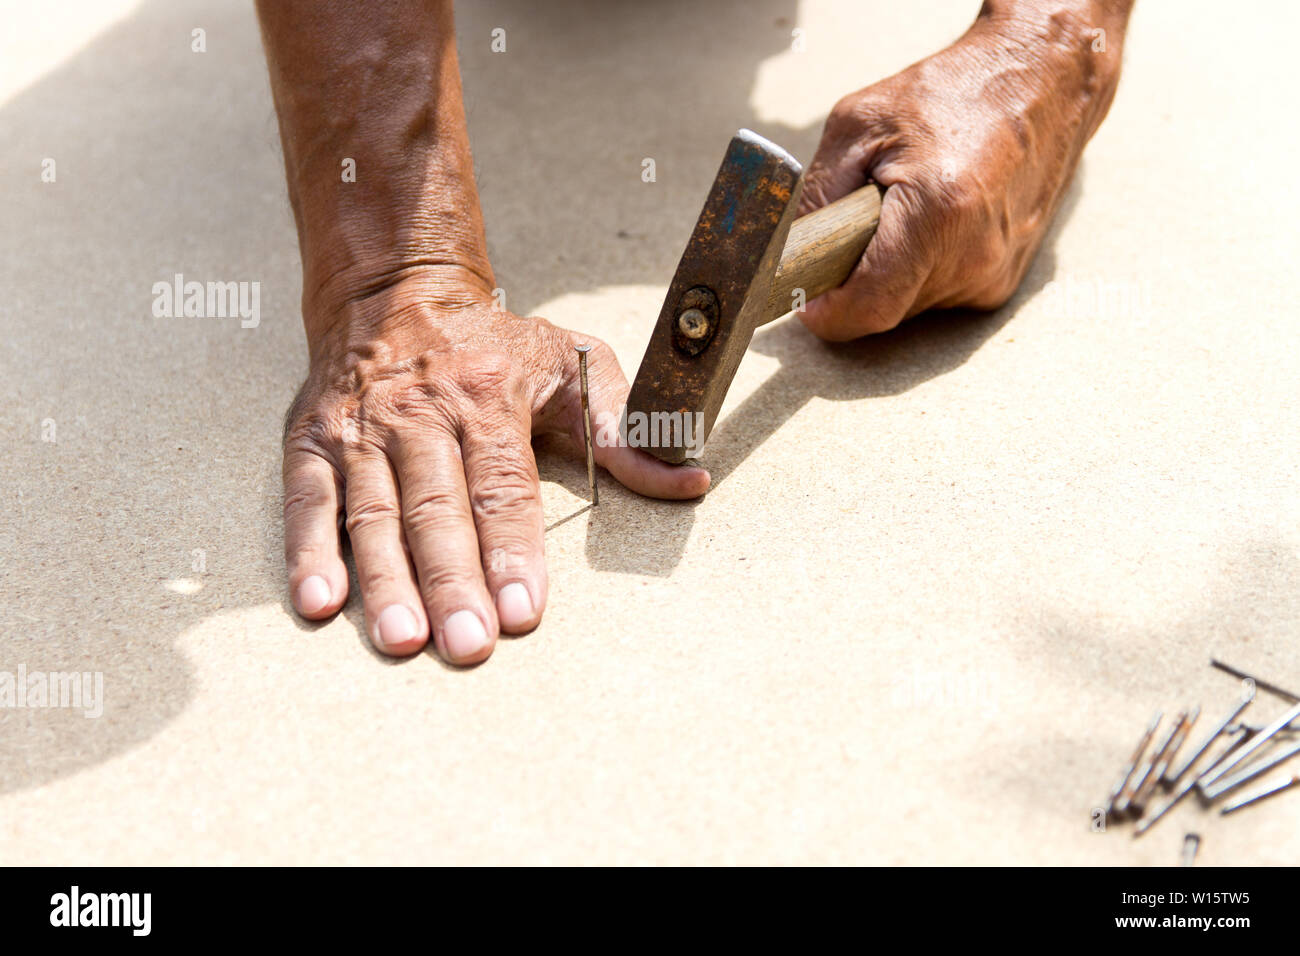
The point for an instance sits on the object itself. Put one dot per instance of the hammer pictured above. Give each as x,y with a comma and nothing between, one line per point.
748,262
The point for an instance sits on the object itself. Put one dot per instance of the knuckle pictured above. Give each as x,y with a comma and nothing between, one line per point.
816,188
442,584
299,414
430,507
873,321
507,558
327,432
377,579
952,192
417,398
510,492
305,498
368,513
487,374
426,402
845,115
307,555
308,433
819,325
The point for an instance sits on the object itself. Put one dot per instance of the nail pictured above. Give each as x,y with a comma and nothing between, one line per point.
1161,772
313,594
514,605
1147,822
582,351
1118,802
1247,695
1256,742
464,635
1234,780
397,625
1258,682
1263,794
1153,768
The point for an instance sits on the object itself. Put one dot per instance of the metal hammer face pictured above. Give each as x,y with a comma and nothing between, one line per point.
718,297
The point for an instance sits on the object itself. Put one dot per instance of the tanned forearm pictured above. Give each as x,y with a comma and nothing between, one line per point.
378,84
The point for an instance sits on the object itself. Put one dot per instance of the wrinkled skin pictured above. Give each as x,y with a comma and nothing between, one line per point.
975,147
420,432
414,423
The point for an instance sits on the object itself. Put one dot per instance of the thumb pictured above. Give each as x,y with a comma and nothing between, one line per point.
607,395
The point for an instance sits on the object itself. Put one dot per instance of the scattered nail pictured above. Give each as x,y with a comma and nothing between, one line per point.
1247,695
1125,802
1262,684
1234,780
1210,771
1258,795
1156,765
1161,772
1256,742
1117,792
1147,822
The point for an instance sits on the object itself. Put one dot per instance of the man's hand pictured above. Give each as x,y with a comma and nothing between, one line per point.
415,421
416,417
974,148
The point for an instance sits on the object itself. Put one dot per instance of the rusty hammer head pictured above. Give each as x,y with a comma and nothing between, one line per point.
718,296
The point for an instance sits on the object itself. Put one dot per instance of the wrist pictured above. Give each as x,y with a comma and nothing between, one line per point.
360,289
1073,48
416,304
388,229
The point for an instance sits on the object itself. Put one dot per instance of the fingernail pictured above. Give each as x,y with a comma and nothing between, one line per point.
313,594
464,635
514,605
397,625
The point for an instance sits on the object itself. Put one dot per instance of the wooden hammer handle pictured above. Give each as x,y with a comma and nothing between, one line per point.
822,249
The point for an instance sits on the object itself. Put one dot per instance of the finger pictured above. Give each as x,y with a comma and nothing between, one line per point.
885,286
444,545
505,496
845,154
647,475
632,467
395,618
318,579
835,172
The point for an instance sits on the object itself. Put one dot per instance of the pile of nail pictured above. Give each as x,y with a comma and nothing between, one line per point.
1230,755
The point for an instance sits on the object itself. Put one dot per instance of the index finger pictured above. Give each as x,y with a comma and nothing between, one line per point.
885,286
